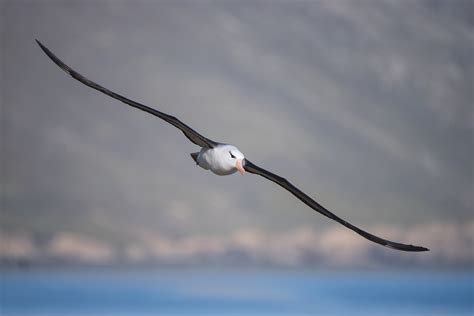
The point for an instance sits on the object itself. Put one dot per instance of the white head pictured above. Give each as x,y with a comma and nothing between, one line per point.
233,158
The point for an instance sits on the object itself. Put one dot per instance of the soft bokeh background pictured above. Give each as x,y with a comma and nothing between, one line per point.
365,105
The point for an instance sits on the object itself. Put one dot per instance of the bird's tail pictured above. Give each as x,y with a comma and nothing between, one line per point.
195,157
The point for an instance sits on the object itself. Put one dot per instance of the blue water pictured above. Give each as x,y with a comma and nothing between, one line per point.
197,292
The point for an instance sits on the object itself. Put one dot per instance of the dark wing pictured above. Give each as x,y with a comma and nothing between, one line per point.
190,133
252,168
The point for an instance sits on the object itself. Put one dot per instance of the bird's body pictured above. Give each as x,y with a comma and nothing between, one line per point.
223,159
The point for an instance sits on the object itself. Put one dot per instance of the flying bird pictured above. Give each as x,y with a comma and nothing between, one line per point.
224,159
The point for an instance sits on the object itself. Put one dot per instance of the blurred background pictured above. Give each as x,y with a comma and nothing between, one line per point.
365,105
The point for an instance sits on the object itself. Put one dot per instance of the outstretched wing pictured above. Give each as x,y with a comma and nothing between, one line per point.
190,133
252,168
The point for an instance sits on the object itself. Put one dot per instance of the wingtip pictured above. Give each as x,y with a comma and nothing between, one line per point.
43,48
418,248
39,44
414,248
403,247
54,58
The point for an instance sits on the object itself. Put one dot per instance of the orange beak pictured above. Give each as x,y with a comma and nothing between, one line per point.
239,166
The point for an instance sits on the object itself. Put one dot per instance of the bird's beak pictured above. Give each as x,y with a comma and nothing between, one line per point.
240,167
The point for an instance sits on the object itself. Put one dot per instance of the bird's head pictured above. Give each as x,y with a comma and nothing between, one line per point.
235,158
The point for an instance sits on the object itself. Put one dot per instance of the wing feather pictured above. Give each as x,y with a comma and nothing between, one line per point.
252,168
190,133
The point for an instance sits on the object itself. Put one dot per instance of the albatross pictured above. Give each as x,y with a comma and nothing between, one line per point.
224,159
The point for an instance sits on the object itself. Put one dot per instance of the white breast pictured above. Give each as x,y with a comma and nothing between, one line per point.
216,160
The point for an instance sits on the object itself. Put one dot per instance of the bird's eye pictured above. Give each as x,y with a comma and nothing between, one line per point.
232,156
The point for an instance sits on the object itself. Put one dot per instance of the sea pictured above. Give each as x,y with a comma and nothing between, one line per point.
234,292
